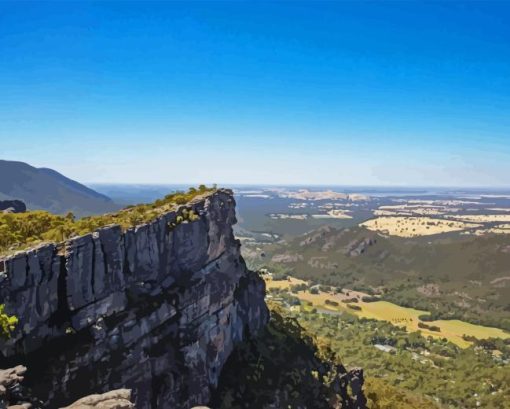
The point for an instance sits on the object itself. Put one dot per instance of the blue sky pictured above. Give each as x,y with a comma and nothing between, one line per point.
361,93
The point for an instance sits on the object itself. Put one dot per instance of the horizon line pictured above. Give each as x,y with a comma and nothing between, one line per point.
301,185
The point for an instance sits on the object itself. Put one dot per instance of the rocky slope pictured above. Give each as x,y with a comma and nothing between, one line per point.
156,309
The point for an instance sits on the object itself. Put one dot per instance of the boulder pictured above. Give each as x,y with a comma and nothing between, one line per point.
12,206
118,399
11,393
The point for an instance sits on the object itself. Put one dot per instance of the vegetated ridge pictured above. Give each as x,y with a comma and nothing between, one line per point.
454,278
22,230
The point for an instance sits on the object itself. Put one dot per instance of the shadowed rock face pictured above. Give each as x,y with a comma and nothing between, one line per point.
154,309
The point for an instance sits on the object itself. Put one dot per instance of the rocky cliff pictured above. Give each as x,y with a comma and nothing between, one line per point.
156,309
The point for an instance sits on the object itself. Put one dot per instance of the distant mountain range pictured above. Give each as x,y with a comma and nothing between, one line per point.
46,189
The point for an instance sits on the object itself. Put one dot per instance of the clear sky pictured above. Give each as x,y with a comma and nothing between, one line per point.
383,93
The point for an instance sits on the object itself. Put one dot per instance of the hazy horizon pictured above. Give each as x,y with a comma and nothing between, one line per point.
299,185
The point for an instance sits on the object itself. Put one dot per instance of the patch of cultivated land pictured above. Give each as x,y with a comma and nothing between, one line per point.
481,218
416,226
453,330
408,318
305,194
339,214
281,216
498,229
414,209
333,214
283,284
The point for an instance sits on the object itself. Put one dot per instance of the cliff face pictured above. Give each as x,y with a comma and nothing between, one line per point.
156,309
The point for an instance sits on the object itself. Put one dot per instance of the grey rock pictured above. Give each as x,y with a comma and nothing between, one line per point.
155,309
12,206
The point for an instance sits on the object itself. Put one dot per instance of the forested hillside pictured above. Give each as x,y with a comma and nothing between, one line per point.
452,277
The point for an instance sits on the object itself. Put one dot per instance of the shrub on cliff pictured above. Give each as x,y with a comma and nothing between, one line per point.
7,323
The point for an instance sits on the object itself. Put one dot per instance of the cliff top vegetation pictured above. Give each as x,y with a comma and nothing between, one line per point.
22,230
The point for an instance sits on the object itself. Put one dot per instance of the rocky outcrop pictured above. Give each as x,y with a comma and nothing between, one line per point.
156,309
12,206
359,246
12,395
286,258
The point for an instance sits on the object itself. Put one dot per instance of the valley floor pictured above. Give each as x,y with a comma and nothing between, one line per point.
409,369
455,331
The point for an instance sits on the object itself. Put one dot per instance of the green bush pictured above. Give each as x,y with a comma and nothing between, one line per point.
429,327
298,287
7,323
369,298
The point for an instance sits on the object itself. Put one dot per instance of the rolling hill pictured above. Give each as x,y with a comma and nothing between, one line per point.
46,189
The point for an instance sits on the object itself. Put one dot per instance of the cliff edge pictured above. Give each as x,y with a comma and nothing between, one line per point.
156,309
